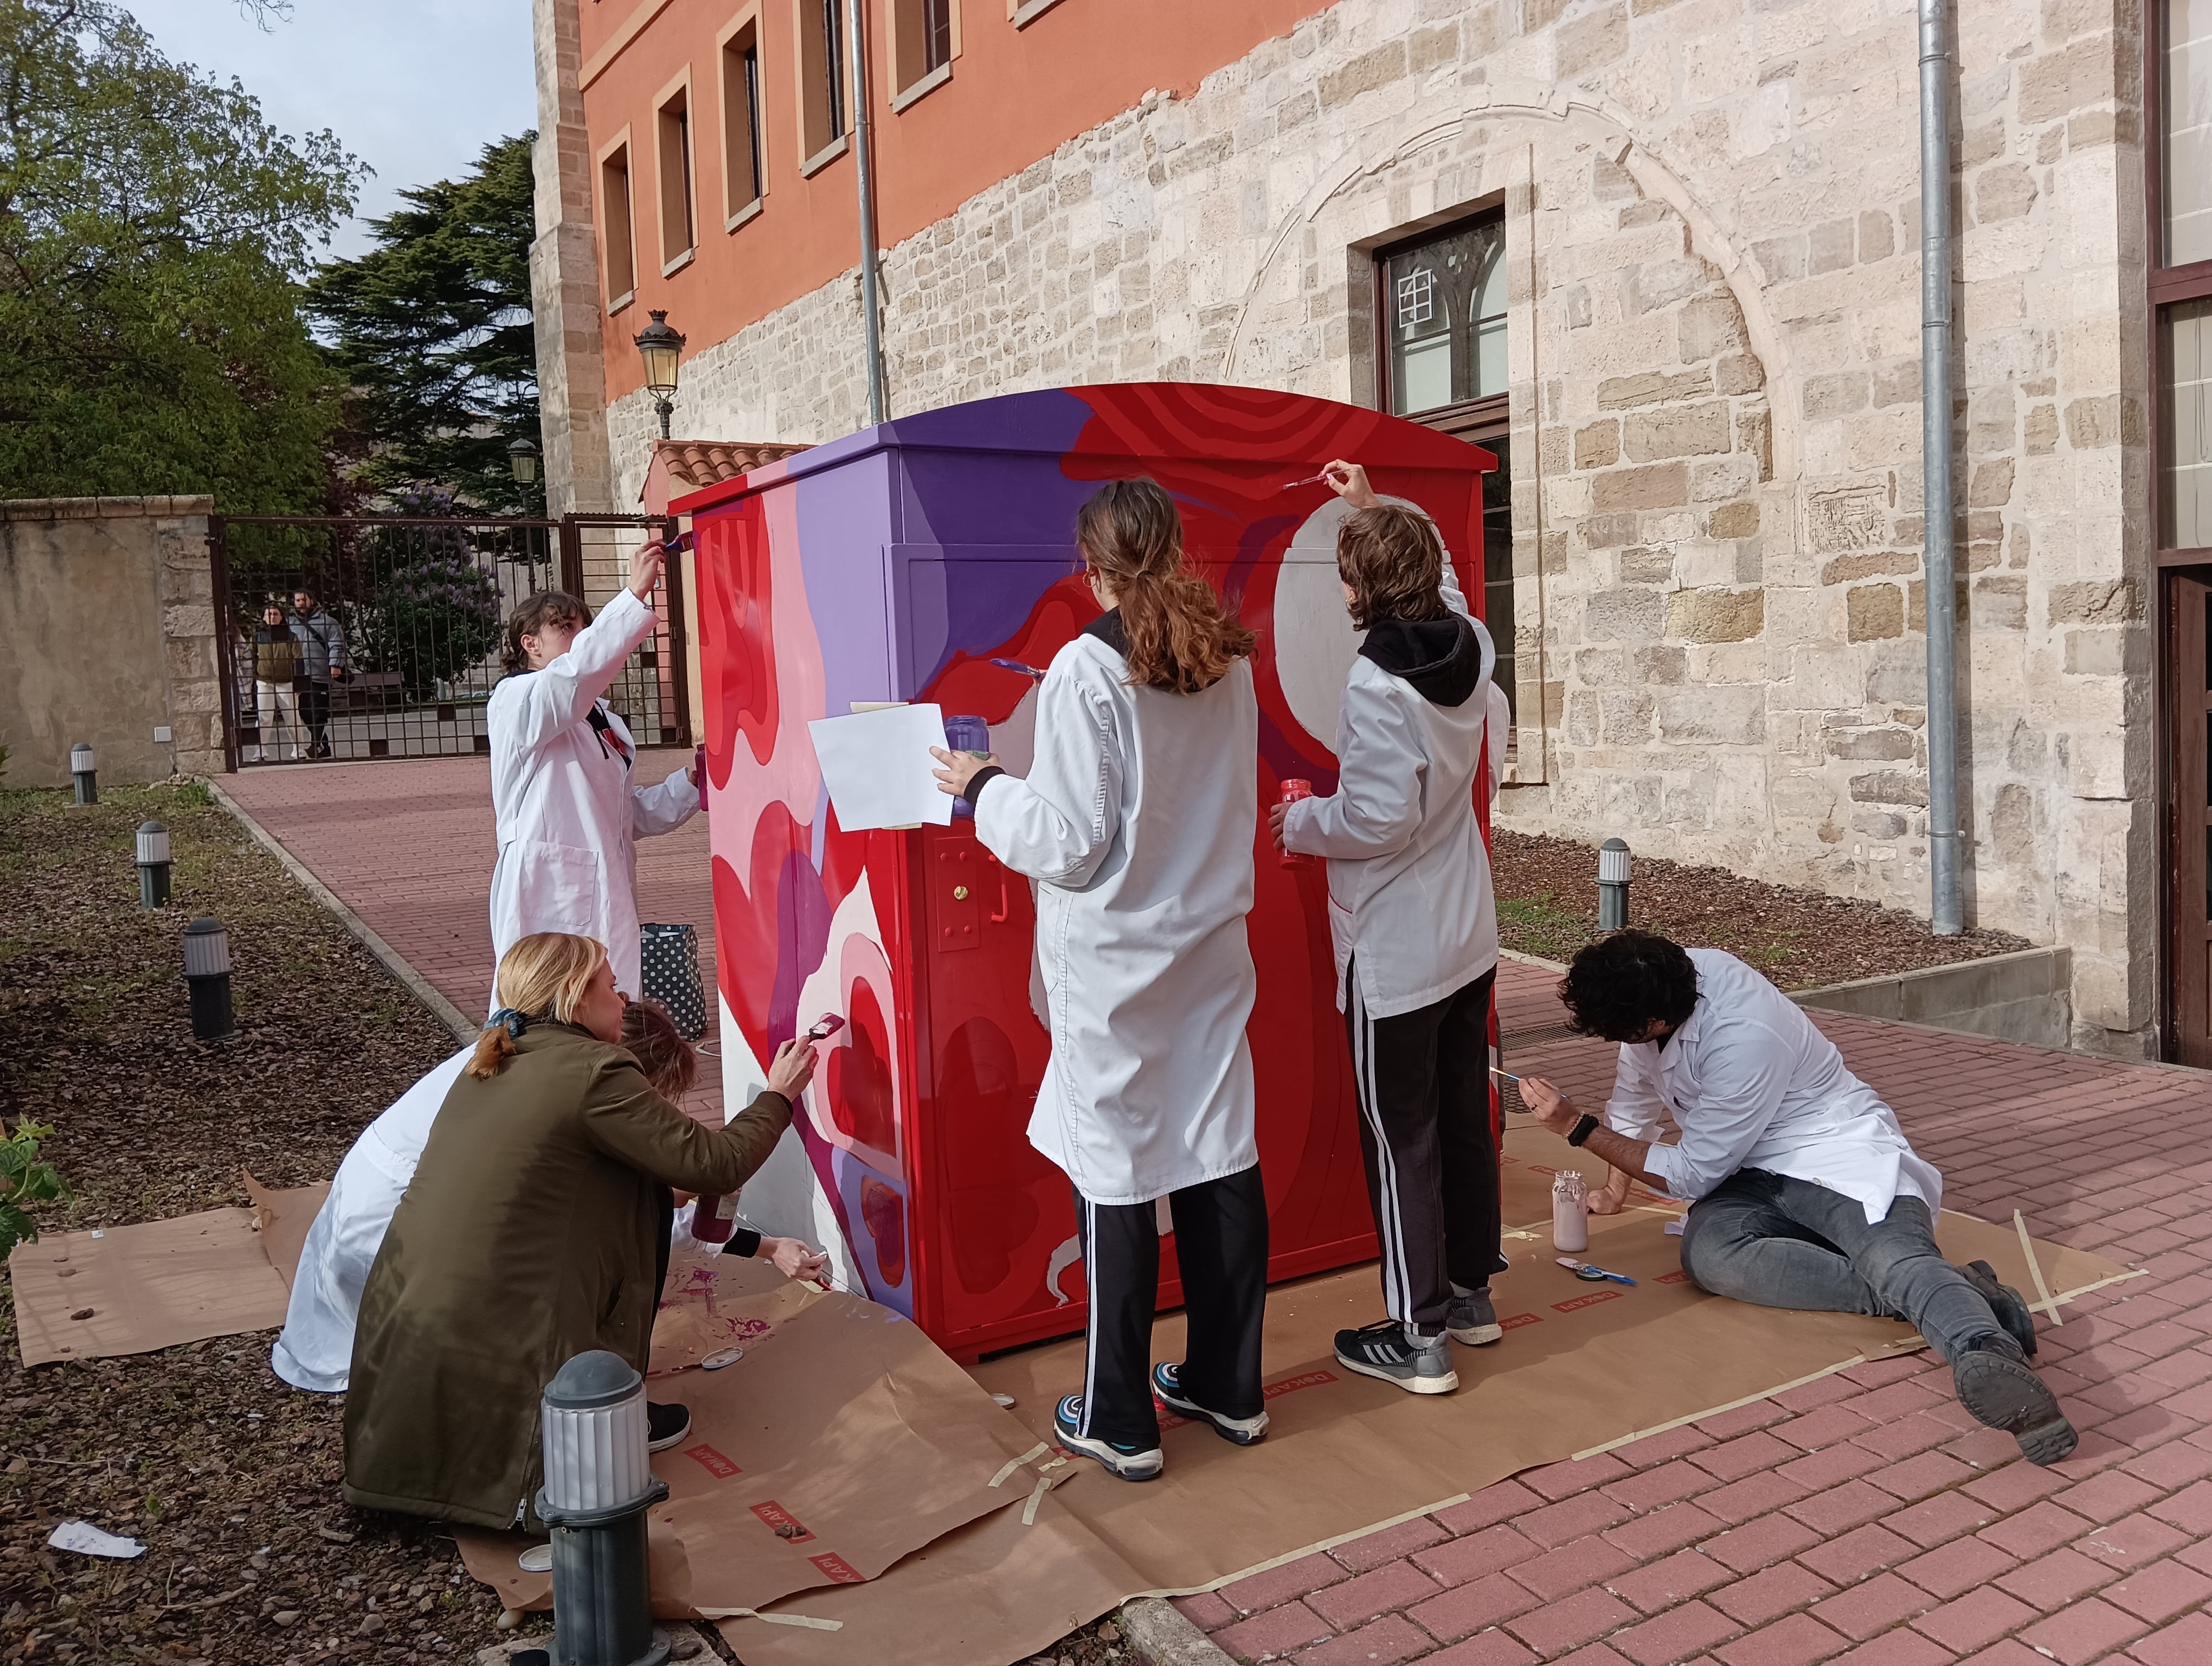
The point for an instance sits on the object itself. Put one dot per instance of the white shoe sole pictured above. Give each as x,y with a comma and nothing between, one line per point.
1238,1431
1149,1467
1444,1384
1475,1337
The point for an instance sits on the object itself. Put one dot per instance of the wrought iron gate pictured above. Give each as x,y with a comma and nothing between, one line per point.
375,637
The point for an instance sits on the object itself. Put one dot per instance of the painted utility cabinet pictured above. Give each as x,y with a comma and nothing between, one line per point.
896,564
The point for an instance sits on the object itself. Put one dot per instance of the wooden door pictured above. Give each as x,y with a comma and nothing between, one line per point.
2189,733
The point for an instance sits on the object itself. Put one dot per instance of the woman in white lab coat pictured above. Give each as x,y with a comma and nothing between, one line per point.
568,808
1137,820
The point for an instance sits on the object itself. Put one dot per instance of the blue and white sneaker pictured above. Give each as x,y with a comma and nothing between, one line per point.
1387,1350
1166,1389
1130,1463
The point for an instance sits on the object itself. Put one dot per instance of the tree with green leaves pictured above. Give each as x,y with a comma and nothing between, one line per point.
431,331
155,237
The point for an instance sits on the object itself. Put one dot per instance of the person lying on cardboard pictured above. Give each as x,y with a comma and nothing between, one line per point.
1803,1190
530,1234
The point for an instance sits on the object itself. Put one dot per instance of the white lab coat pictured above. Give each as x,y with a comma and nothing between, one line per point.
570,813
1752,1084
1410,904
314,1350
1138,818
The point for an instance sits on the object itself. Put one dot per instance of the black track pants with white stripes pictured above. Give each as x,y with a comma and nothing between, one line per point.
1221,1247
1425,1129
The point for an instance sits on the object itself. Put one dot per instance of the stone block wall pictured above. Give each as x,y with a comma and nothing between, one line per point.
107,607
1712,216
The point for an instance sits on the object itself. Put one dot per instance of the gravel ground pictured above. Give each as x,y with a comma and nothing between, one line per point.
1547,907
229,1477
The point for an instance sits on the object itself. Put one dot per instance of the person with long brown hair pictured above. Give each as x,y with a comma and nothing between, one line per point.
531,1232
566,806
1137,819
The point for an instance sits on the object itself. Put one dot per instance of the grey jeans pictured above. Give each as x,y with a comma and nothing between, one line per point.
1778,1242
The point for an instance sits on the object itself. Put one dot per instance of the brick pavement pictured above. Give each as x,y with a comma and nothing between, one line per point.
1860,1519
1863,1519
408,846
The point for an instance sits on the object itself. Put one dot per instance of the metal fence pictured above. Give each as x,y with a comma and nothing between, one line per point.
376,637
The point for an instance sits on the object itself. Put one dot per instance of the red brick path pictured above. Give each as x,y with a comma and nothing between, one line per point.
408,846
1860,1519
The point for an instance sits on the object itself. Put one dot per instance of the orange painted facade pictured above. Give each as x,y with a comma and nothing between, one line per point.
1013,95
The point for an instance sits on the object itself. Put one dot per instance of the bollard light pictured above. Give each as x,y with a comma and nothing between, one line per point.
86,768
1612,885
598,1485
153,866
207,976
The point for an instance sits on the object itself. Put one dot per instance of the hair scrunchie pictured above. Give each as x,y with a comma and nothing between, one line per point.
514,1023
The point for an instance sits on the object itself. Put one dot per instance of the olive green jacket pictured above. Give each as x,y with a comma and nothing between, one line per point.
527,1237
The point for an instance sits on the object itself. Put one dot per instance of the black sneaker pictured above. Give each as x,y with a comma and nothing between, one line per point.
2009,1304
1130,1463
1385,1350
2002,1392
664,1426
1166,1389
1470,1319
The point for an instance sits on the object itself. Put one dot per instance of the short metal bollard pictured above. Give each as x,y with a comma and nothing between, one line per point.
1612,885
598,1485
207,976
85,766
153,866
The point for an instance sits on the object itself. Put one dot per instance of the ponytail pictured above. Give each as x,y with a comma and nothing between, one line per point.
1178,635
541,978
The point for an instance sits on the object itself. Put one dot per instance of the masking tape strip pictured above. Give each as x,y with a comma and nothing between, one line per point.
1715,1411
1037,1497
1013,1464
1289,1556
2035,1269
806,1621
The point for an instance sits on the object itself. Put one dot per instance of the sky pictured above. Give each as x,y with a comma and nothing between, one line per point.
415,88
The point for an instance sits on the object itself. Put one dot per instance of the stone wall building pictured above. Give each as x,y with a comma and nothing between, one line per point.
1663,255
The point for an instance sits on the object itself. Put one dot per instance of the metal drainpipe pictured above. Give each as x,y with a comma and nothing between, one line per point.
856,36
1945,912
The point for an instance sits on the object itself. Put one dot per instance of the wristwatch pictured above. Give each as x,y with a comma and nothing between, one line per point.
1583,1129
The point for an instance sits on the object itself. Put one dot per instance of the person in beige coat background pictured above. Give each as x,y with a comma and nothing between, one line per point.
529,1235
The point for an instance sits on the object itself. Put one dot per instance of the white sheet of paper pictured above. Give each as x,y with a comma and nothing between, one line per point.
879,769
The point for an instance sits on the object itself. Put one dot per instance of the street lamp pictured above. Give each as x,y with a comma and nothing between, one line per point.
660,347
84,765
1613,886
522,462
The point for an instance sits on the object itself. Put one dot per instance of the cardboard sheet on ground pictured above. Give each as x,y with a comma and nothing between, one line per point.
841,1421
1583,1366
158,1284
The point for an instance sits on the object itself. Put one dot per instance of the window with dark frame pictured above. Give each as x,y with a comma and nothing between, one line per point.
821,73
745,180
922,33
679,221
1440,335
615,211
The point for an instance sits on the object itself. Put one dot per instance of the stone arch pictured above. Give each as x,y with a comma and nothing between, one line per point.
1611,133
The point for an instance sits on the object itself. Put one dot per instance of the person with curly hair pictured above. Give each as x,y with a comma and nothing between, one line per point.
1137,820
1415,926
1803,1190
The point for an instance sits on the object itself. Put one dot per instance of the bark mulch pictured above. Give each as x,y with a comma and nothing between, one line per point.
228,1475
1547,907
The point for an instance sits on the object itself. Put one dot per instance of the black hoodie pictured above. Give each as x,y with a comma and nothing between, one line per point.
1441,657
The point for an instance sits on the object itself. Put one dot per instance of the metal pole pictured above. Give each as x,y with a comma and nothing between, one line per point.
1945,912
857,44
